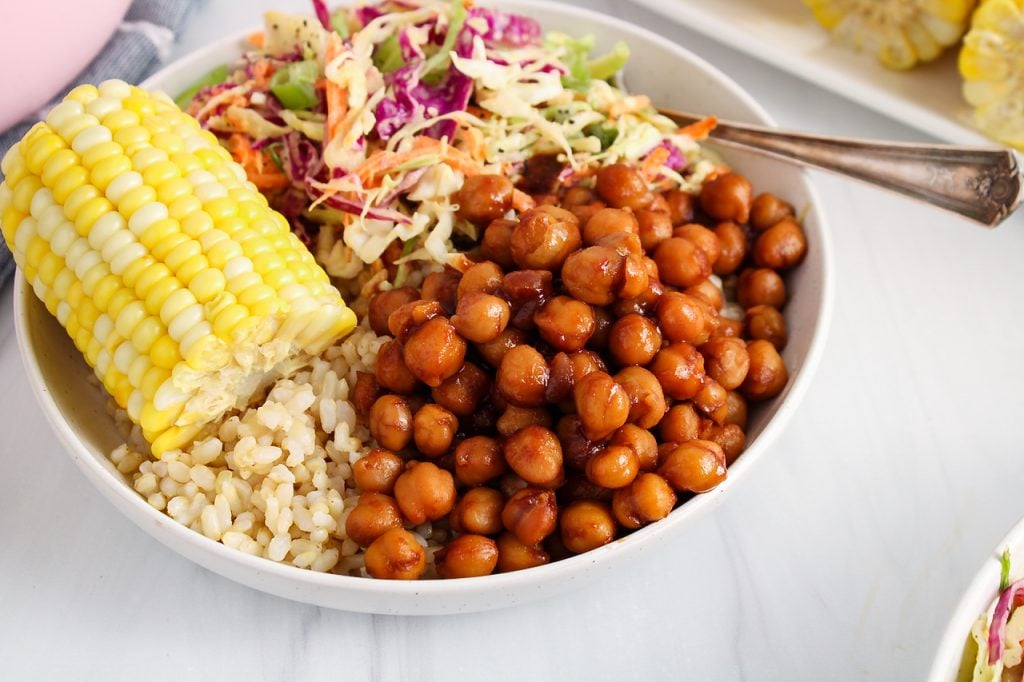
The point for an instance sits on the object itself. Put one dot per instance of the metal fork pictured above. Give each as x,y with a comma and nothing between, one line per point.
979,183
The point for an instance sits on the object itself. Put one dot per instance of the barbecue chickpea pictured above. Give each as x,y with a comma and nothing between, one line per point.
375,515
727,197
526,290
766,322
577,449
377,471
683,318
624,243
708,292
434,352
478,460
767,376
705,239
511,483
613,467
781,246
535,454
681,263
653,227
365,392
467,556
484,277
647,403
729,437
383,303
567,369
565,323
481,317
735,410
578,196
592,274
647,499
441,287
396,555
603,321
479,511
726,361
515,418
586,525
622,186
710,397
579,487
645,303
391,422
732,248
407,318
767,209
484,198
493,351
585,212
696,466
601,404
680,206
641,441
680,370
523,376
634,340
681,424
762,286
608,221
544,238
659,203
424,492
531,515
433,429
727,328
496,243
515,556
462,393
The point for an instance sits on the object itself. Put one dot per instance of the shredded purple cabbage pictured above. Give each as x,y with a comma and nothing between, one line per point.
366,14
505,29
676,161
322,13
1000,616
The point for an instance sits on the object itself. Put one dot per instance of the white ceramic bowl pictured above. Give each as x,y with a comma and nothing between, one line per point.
669,75
977,599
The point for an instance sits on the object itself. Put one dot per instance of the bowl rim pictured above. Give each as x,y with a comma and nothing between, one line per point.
149,518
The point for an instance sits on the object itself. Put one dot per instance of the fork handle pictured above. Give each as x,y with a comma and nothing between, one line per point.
983,184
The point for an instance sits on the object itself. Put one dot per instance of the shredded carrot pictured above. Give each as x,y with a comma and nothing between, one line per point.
521,201
256,39
474,139
264,175
699,130
262,70
336,96
628,105
650,167
378,164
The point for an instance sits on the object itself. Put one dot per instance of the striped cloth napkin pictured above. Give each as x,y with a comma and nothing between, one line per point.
140,45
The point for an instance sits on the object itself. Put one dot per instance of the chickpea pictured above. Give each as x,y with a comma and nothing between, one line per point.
478,460
710,397
577,449
729,437
523,377
767,323
762,286
565,323
390,370
585,212
515,418
478,511
424,492
531,515
462,393
647,499
608,221
592,274
726,361
484,198
703,238
375,514
581,488
708,292
727,329
586,525
603,321
391,422
441,287
634,340
634,280
781,246
646,398
377,471
515,556
681,263
467,556
526,290
481,317
496,243
433,429
511,483
602,405
396,555
535,454
365,393
732,248
679,369
566,370
696,466
727,197
578,196
434,352
493,352
735,410
767,376
485,277
624,243
659,204
613,467
767,209
406,319
653,227
681,424
383,303
622,186
545,236
684,318
641,441
680,206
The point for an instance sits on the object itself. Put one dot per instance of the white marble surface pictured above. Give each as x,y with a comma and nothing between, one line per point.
841,558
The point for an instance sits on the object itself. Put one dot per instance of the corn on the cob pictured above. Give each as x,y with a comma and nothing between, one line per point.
900,33
184,291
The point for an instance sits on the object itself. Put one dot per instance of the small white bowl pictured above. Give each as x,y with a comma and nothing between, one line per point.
671,76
